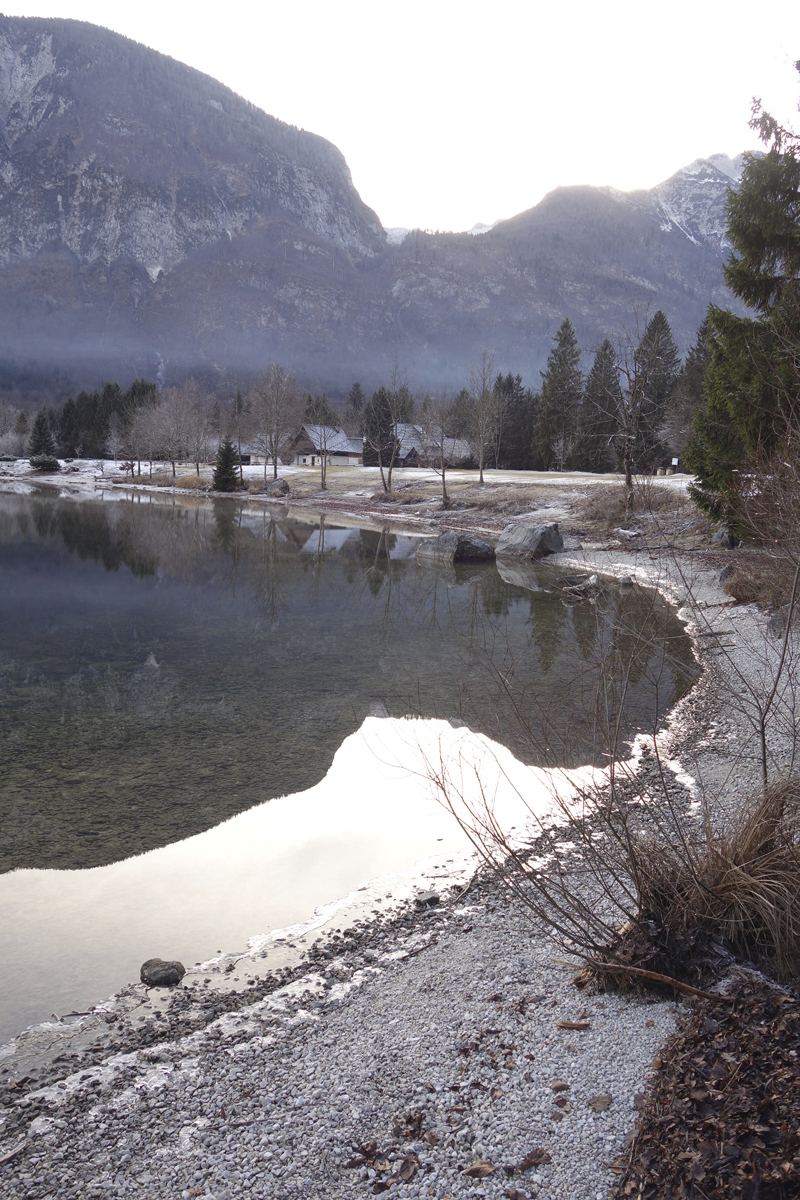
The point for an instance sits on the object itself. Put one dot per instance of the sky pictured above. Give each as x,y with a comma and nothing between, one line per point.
451,113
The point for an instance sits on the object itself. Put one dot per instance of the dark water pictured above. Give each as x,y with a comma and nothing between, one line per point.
164,666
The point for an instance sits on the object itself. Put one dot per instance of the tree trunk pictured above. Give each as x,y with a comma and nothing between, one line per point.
628,481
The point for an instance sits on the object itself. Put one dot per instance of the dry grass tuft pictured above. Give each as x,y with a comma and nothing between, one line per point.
194,483
760,579
604,505
743,881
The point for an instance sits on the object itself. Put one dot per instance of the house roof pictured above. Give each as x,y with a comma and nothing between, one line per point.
335,440
412,437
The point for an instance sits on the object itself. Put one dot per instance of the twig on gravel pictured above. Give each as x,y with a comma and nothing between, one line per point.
641,973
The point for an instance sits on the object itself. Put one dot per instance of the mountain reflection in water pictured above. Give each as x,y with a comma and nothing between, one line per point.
165,665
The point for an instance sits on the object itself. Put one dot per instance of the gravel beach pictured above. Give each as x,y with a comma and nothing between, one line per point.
425,1044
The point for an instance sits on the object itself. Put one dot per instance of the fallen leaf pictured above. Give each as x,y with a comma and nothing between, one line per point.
574,1024
496,1093
601,1102
431,1138
407,1170
649,1024
559,1086
534,1158
479,1169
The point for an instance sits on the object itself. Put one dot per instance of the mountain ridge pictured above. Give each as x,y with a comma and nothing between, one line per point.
152,221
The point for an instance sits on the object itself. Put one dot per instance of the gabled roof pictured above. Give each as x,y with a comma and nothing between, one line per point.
334,440
412,437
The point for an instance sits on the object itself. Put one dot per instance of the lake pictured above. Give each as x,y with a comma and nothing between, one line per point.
168,664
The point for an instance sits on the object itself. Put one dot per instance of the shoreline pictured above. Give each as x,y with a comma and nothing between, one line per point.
402,959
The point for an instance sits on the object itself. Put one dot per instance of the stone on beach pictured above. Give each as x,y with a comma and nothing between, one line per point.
277,487
454,547
156,972
527,541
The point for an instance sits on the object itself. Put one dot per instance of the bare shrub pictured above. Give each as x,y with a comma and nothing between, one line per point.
634,871
653,497
604,505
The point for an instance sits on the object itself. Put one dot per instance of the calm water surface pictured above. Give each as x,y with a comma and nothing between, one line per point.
167,665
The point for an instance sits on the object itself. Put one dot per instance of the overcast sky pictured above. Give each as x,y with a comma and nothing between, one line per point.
450,113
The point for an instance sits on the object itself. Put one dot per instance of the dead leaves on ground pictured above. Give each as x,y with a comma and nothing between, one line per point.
479,1169
721,1120
401,1170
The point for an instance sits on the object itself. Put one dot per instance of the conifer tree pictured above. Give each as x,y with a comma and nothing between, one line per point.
688,395
226,468
559,401
41,443
354,408
660,364
598,423
752,385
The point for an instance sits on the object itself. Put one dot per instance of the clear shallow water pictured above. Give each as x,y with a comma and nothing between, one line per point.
165,666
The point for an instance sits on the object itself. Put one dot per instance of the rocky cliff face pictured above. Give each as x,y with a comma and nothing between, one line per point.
153,221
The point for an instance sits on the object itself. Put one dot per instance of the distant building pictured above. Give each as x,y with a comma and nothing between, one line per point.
415,449
339,450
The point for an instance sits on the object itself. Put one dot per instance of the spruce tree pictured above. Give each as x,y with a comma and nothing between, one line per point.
688,395
559,401
660,362
41,444
355,407
226,474
598,423
752,385
520,414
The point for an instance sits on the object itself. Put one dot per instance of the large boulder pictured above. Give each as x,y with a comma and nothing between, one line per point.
277,487
523,540
454,547
158,973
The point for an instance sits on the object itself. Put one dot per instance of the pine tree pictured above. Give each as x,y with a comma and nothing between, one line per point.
41,443
226,475
659,366
520,416
559,401
752,384
688,395
353,410
318,411
598,422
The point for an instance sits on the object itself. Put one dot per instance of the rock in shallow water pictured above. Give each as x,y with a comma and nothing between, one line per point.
156,972
454,547
527,541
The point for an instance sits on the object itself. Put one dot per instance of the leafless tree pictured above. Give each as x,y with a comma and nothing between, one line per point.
483,403
174,417
115,438
435,419
318,414
275,411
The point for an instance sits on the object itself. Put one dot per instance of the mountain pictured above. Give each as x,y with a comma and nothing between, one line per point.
153,222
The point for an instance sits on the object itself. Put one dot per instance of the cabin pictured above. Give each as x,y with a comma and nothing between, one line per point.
314,441
415,449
